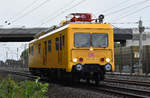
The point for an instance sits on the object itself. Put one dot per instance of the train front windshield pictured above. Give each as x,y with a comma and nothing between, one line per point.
94,40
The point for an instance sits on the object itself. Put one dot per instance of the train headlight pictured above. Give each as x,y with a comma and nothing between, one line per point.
78,67
108,67
91,49
108,60
75,59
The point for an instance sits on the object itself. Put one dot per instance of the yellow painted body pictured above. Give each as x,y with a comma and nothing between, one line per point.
64,58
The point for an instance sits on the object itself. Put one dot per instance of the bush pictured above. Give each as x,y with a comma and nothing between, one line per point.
25,89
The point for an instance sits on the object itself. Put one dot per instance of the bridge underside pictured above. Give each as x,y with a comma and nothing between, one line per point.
27,34
22,38
19,34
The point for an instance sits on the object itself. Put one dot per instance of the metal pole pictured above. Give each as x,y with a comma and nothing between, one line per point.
141,29
17,53
6,55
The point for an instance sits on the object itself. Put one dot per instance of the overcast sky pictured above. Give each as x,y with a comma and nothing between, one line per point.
12,50
35,13
45,13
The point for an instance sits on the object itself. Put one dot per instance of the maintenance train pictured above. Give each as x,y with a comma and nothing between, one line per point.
78,49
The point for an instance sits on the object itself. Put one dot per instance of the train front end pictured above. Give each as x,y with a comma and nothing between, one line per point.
91,50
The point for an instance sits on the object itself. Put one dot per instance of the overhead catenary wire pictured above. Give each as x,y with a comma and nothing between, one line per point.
20,12
136,11
125,23
30,11
53,13
115,6
112,25
147,21
64,11
26,7
132,5
147,27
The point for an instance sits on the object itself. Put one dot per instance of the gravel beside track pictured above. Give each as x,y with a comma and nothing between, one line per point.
76,92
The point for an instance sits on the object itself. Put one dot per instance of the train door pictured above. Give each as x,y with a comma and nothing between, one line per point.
60,48
45,53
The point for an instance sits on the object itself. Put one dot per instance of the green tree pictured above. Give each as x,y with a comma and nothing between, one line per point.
24,54
25,89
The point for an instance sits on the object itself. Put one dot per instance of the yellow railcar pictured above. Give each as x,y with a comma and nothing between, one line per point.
79,50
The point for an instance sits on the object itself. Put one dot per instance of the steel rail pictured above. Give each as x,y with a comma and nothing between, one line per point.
130,82
126,92
126,74
25,74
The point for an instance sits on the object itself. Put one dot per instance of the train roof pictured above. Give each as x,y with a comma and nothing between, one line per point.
74,26
90,26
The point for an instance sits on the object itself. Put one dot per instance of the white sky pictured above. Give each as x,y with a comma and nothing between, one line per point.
12,50
55,11
45,13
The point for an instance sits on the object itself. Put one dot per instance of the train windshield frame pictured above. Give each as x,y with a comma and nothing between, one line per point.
90,39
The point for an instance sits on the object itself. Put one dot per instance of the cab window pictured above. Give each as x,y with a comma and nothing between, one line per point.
93,40
82,39
99,40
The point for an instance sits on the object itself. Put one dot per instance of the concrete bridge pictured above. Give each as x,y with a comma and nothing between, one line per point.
27,34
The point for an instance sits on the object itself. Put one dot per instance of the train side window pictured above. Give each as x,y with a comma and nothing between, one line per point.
32,50
63,41
49,45
60,43
39,46
57,43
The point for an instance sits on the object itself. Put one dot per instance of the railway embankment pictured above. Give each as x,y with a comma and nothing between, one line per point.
56,90
115,85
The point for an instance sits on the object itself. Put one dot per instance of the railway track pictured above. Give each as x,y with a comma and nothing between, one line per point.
135,92
130,82
25,74
125,92
106,88
126,74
